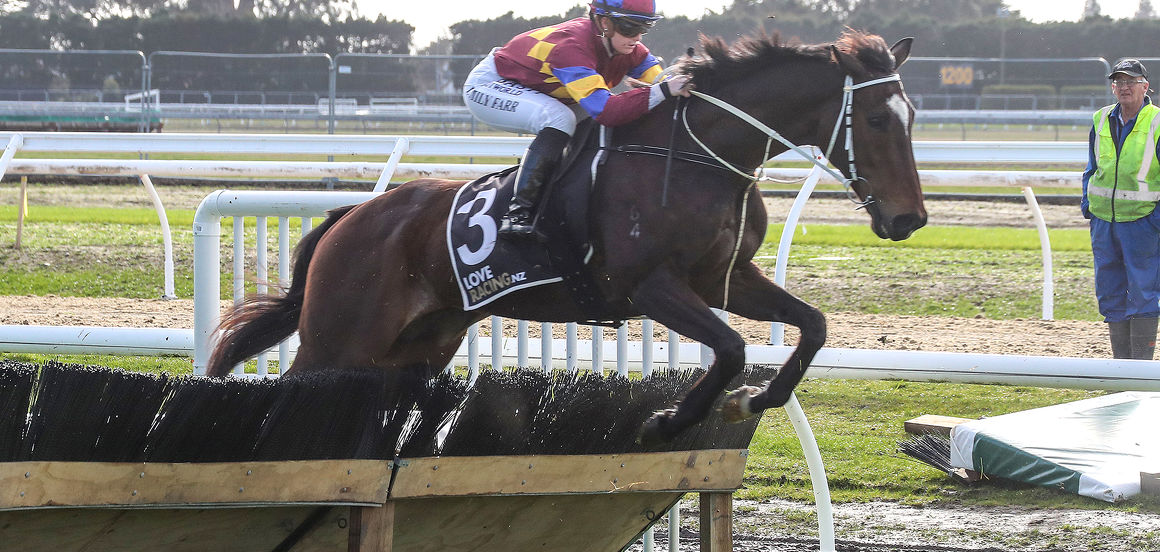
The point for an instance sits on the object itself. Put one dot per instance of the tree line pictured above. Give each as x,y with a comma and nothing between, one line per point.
979,28
943,28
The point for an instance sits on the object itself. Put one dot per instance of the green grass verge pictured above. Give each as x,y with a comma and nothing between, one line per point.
178,366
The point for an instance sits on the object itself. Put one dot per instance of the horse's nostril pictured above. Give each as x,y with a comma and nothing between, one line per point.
904,225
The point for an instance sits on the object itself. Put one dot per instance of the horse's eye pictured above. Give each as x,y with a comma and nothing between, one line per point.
879,122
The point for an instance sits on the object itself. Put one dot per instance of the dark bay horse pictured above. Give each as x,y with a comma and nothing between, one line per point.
373,286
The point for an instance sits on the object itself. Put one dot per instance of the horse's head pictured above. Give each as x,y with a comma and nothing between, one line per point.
882,160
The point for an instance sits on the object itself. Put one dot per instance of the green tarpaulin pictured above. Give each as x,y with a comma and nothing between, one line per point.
1095,447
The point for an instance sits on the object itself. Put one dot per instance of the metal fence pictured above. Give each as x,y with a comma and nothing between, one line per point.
129,90
1007,83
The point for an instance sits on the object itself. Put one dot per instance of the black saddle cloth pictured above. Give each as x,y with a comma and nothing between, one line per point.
488,266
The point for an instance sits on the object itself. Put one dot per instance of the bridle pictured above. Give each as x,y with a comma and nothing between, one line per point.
845,113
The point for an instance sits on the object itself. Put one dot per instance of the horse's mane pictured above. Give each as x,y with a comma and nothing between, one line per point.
724,63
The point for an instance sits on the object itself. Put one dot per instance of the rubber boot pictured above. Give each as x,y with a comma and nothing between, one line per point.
1121,339
1143,333
531,181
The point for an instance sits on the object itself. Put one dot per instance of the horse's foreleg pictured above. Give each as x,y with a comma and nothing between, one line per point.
753,296
669,300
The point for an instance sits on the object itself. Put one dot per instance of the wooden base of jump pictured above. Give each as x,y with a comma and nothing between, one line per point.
501,503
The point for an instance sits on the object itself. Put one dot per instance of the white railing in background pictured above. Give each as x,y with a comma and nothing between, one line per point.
1006,152
398,147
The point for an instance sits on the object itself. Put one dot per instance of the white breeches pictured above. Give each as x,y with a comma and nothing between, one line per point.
508,105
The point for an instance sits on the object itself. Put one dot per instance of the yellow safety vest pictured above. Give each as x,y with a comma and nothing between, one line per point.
1125,185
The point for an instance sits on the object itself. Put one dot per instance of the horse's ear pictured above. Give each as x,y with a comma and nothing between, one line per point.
849,64
901,51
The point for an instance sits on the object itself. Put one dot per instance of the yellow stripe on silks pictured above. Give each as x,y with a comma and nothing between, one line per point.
547,70
584,87
561,93
540,50
541,34
650,74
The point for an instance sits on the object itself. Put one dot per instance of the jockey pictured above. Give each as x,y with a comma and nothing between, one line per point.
544,80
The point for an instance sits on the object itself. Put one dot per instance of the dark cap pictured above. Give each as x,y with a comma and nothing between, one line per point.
1130,67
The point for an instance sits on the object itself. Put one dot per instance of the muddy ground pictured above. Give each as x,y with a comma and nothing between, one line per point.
776,525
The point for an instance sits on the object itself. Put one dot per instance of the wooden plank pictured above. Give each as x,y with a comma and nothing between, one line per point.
372,529
572,523
700,470
716,522
55,484
171,530
932,423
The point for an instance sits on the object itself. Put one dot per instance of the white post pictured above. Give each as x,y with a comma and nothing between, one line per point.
206,284
239,248
262,268
777,329
284,282
239,275
622,349
522,343
21,212
14,144
401,147
473,352
570,353
598,349
546,347
166,236
1045,247
496,343
805,435
646,347
793,409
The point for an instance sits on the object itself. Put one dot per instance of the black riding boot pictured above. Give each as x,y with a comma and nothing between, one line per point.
1143,333
1121,339
531,180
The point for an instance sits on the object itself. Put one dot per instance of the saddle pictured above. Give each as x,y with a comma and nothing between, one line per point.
489,266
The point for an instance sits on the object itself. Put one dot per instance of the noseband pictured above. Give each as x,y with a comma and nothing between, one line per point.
846,113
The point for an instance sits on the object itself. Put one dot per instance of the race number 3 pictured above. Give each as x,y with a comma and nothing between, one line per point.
486,225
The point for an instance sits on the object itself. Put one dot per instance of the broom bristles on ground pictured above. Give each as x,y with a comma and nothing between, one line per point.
932,449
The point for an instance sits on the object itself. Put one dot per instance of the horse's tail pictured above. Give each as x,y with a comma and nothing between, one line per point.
261,321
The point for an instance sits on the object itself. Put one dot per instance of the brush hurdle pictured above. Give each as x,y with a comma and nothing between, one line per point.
501,503
93,459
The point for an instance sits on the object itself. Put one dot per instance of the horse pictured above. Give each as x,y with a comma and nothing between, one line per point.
372,285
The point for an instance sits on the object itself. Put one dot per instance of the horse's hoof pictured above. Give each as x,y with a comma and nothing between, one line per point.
736,406
652,432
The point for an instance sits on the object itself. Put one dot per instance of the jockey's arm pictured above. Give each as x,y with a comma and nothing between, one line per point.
587,87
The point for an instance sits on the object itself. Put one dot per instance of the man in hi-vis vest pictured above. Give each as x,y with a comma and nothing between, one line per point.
1121,187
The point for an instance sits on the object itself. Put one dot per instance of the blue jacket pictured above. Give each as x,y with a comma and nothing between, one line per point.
1119,132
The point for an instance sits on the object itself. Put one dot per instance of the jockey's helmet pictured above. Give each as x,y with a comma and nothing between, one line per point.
641,12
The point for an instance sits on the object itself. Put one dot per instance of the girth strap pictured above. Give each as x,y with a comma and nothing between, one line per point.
686,156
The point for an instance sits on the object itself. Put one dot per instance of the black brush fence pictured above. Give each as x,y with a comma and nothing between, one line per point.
64,412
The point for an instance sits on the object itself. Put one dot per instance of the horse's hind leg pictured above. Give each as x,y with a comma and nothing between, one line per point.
669,300
753,296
